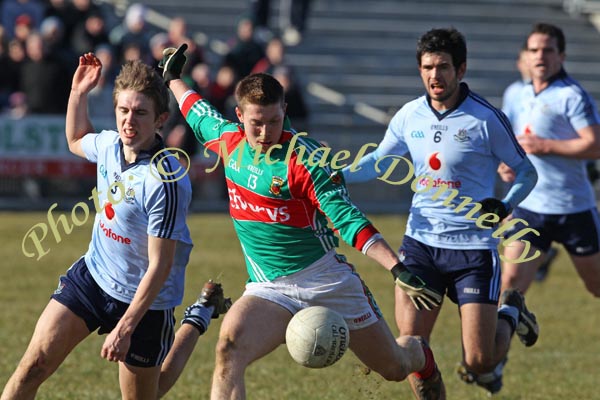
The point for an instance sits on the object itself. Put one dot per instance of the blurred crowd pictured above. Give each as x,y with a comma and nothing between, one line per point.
41,40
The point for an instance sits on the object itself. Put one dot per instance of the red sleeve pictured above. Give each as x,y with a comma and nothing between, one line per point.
365,234
188,101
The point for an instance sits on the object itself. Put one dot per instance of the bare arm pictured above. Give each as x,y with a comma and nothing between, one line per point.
160,253
421,295
586,146
178,87
77,121
381,252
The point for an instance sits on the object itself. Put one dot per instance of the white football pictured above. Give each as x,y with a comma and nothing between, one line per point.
317,337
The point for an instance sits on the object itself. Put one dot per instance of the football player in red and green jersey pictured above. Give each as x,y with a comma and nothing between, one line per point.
282,193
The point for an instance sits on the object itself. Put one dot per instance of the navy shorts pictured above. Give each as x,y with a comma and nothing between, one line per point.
152,338
465,276
578,232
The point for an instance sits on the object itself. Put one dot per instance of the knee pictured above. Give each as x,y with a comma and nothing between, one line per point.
396,374
226,350
32,371
479,363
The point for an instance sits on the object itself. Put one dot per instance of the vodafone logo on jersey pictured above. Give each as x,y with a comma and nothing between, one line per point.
109,212
434,162
109,233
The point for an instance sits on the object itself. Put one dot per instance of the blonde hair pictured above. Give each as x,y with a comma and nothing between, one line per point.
141,78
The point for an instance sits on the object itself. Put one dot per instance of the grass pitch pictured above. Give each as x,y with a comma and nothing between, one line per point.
562,365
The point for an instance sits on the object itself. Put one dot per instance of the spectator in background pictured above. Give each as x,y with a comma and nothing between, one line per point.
244,52
67,13
16,56
83,8
132,33
89,33
158,43
296,106
177,133
201,79
292,21
222,90
53,32
177,35
17,105
13,11
274,57
43,79
22,28
274,63
131,52
6,79
100,98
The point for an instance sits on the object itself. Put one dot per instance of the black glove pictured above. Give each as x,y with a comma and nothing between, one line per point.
421,295
494,206
172,62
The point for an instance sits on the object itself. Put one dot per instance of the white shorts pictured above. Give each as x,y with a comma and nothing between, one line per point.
330,282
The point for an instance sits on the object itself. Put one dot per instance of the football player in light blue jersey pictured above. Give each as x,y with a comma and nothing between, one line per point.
510,103
132,275
558,125
456,140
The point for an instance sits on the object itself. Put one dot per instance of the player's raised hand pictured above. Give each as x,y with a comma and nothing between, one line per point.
172,62
88,73
422,296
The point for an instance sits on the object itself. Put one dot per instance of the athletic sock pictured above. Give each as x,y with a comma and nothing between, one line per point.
199,317
510,314
429,367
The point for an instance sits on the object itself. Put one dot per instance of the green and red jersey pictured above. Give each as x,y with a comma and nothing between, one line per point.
280,201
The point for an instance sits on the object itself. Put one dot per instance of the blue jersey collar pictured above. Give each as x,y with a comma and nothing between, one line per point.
463,93
158,145
562,74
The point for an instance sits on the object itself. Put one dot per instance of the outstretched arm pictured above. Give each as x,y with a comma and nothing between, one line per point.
178,87
422,296
77,123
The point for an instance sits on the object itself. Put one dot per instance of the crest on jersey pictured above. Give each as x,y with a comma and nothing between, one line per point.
130,196
462,136
336,177
276,183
